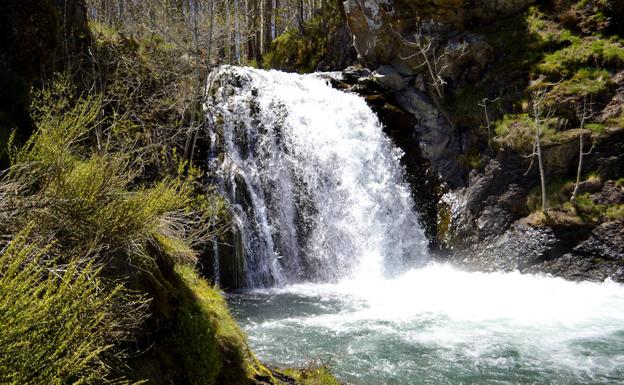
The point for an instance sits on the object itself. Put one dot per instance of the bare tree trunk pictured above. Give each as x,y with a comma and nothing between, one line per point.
267,25
237,39
583,115
194,26
300,21
253,44
579,168
541,168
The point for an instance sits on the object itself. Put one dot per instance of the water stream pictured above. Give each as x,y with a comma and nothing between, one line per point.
336,264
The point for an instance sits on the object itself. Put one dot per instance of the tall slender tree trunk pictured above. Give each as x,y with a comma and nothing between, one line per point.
579,169
237,39
267,25
300,20
253,31
540,163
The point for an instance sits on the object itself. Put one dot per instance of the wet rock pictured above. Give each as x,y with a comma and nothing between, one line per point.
599,257
518,248
492,219
610,194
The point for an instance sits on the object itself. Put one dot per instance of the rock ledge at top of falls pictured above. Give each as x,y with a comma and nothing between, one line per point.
381,28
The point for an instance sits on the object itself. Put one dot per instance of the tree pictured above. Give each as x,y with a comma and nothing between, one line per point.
583,113
488,123
539,115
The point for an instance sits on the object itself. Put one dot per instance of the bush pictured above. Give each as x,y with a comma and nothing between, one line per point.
515,131
585,82
60,322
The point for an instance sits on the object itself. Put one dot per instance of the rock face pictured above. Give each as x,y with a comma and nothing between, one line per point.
417,50
381,27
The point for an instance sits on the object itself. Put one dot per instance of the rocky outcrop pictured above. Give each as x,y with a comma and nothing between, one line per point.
419,51
382,29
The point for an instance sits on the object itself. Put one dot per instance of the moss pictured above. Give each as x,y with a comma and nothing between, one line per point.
615,212
444,224
514,131
596,128
312,375
472,159
211,318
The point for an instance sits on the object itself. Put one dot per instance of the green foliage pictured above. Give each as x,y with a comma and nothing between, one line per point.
558,193
585,82
294,51
207,332
62,122
594,212
583,52
302,51
60,322
313,374
98,208
596,128
472,159
515,131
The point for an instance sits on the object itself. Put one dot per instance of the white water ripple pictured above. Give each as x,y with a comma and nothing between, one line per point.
441,325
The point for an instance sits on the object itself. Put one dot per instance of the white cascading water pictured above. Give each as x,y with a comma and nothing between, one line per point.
319,196
315,184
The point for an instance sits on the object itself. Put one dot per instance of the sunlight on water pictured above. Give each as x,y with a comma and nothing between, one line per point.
315,185
438,325
319,194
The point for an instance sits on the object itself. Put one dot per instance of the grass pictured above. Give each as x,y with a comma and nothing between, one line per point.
515,131
558,192
583,52
585,82
583,209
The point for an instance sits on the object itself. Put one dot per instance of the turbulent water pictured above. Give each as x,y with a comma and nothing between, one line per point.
437,325
334,257
315,185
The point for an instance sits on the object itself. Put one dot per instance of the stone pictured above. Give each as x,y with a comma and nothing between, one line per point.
381,28
389,78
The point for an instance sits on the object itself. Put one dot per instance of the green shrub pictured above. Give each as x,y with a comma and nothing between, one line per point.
589,51
515,131
60,322
585,82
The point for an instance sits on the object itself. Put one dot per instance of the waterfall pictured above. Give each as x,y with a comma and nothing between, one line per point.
314,185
